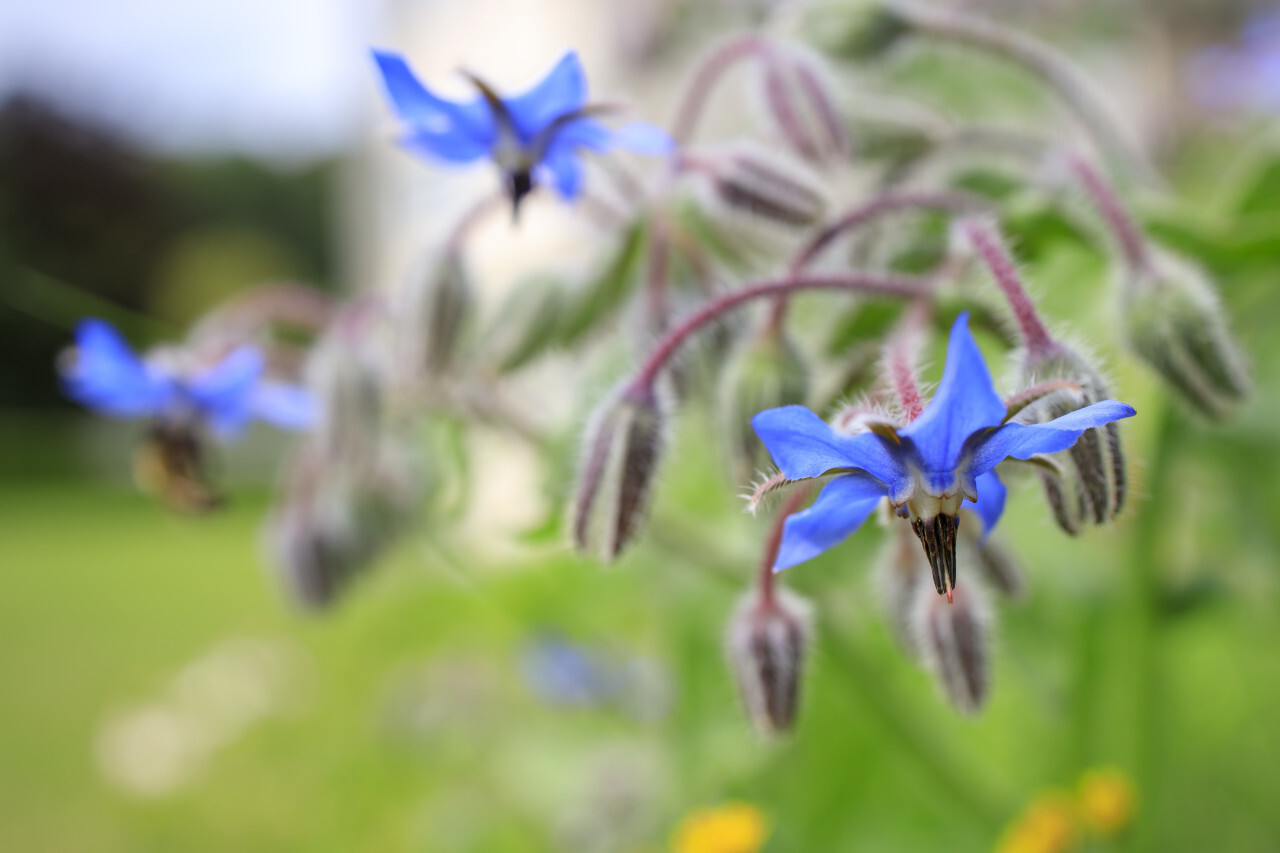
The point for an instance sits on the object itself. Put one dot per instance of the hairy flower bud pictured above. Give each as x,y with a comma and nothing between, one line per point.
802,103
953,640
749,179
1092,482
624,445
901,570
435,313
764,371
1176,323
336,517
767,641
347,380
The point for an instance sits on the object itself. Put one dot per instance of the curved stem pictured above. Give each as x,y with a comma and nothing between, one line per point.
1115,216
882,284
881,205
1042,61
770,554
720,60
900,357
986,242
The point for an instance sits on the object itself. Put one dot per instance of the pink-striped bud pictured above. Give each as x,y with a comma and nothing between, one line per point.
802,103
954,644
767,642
623,448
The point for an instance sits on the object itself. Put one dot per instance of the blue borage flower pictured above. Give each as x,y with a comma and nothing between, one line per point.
927,469
105,375
532,137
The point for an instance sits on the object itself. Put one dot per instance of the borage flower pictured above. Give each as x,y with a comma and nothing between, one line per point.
182,399
927,469
105,375
533,138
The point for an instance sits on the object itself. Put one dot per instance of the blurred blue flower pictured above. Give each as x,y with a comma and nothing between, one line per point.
533,137
927,469
106,375
1244,75
578,676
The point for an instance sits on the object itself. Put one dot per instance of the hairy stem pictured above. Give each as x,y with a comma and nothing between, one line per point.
881,284
718,61
989,247
1115,216
1053,68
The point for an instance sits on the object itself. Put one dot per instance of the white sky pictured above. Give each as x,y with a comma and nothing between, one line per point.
276,79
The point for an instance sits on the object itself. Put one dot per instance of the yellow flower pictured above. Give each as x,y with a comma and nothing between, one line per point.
730,828
1047,826
1107,800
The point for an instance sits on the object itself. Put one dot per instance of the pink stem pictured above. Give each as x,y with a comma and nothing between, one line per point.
890,202
770,554
988,246
1115,216
884,284
901,362
721,58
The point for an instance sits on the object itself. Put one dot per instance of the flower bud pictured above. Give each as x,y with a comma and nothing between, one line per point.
437,307
338,516
765,371
1175,322
623,448
901,571
802,102
1091,485
749,179
953,640
344,375
767,641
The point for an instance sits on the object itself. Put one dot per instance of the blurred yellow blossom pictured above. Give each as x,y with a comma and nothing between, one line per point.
1107,800
730,828
1046,826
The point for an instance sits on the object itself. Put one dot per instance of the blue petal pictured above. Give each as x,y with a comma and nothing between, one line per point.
990,504
563,90
287,406
840,510
444,125
643,139
108,376
1022,441
563,171
224,393
582,133
803,445
965,403
450,147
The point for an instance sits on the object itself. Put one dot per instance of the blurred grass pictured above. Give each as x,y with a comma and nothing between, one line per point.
415,733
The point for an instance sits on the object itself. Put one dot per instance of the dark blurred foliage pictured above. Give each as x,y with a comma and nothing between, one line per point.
89,225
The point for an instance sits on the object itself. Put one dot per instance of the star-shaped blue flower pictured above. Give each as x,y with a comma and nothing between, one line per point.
927,469
535,136
107,376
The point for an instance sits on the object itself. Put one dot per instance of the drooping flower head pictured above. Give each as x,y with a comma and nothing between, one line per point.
927,469
534,137
104,374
